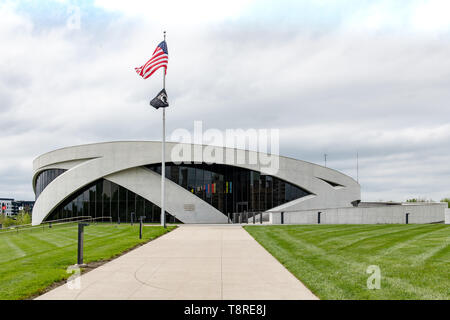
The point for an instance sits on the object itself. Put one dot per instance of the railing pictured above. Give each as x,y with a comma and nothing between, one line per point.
53,223
247,217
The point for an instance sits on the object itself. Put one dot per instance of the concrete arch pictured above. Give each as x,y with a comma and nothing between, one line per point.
147,184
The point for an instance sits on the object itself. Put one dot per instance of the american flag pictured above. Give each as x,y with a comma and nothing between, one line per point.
159,59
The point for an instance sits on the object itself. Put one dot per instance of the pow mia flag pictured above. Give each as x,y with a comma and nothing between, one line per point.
160,101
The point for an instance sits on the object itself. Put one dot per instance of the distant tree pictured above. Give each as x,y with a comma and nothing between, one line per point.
419,200
7,221
446,200
23,218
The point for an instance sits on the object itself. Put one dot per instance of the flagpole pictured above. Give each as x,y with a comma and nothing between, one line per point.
163,160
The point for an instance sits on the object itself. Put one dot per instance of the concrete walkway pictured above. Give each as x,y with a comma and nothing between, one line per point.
191,262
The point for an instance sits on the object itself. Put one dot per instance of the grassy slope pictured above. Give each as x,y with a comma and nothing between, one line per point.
31,261
332,259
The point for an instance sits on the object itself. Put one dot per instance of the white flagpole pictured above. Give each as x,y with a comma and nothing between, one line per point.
163,158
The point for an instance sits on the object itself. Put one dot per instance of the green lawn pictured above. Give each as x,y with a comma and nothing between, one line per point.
331,260
30,261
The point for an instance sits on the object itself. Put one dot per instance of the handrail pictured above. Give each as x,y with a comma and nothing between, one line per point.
28,227
50,221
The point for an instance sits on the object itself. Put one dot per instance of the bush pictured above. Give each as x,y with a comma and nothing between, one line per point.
7,221
446,200
416,200
419,200
23,218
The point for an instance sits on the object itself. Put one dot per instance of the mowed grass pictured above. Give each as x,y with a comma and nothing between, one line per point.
30,261
331,260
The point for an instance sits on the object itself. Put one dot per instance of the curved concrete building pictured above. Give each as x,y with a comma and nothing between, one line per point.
203,183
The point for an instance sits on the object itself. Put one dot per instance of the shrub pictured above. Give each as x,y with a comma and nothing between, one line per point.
23,218
7,221
419,200
446,200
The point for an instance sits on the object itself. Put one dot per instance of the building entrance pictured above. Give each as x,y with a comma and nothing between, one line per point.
241,214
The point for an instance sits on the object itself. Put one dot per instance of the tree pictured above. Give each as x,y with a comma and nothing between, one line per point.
23,218
6,221
446,200
419,200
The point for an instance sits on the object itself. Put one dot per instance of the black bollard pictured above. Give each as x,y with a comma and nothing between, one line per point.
318,217
254,213
407,218
282,217
141,218
80,242
260,217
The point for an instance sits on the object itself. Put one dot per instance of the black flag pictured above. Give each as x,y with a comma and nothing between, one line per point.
160,101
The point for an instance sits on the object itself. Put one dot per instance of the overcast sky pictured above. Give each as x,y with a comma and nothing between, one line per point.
336,77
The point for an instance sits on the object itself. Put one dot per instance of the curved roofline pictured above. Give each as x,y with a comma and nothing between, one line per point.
157,141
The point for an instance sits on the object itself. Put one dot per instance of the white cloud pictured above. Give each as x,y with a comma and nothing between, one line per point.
194,12
431,15
384,95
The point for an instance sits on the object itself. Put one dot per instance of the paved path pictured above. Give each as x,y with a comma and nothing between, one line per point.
191,262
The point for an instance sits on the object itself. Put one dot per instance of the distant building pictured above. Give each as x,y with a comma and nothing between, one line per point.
10,207
7,206
23,205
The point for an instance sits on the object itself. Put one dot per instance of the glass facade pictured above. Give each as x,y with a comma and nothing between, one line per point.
104,198
232,189
44,178
227,188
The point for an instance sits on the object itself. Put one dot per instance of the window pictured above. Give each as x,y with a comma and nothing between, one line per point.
105,198
44,178
224,186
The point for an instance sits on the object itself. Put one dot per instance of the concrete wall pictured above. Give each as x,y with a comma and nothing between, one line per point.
423,213
447,216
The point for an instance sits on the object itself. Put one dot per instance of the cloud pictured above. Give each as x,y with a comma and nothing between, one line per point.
431,15
350,77
194,12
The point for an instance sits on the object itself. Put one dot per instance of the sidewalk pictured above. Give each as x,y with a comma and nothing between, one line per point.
191,262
